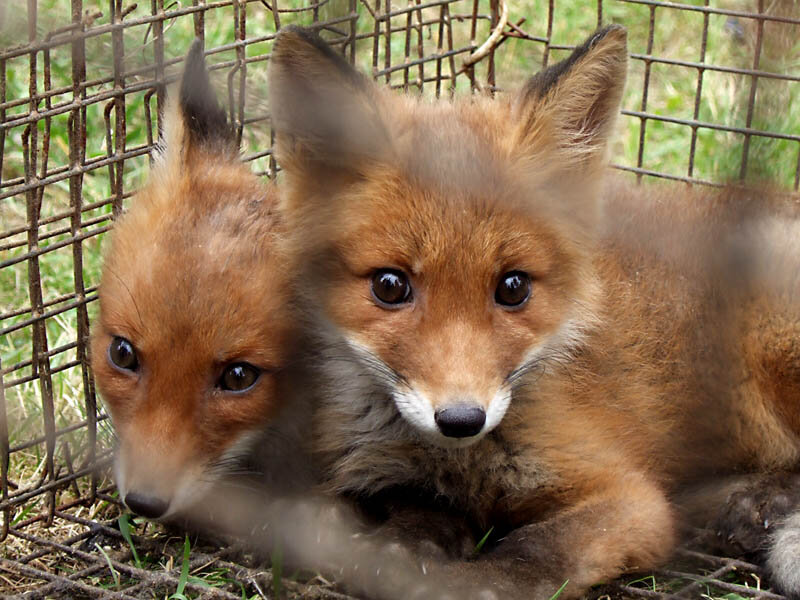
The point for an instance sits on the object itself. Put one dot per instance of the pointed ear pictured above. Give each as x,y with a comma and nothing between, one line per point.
324,112
194,120
573,104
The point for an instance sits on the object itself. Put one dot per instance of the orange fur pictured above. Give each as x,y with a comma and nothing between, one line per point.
195,281
653,351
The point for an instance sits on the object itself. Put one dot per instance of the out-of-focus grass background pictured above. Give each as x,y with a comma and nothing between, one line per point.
672,89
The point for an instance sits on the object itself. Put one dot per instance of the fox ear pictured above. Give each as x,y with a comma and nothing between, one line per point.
573,104
194,119
324,112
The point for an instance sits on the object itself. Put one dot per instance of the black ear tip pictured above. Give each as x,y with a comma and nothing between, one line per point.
609,31
196,48
293,38
204,119
290,33
291,30
195,85
195,62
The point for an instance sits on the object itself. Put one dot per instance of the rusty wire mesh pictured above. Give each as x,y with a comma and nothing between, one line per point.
710,97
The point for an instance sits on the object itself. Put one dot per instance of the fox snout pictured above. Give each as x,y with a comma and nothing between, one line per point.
146,489
461,420
451,419
157,476
146,505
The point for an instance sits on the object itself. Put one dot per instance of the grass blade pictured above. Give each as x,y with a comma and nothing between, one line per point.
483,540
184,578
125,530
561,589
277,570
114,573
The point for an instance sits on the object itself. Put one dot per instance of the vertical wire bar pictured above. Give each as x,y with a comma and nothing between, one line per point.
148,119
353,29
407,45
451,59
276,14
118,45
376,38
157,7
387,59
77,156
40,359
797,171
549,35
751,101
2,115
4,441
272,168
4,457
645,91
240,34
473,32
490,76
5,454
439,40
199,22
420,45
45,153
698,93
599,13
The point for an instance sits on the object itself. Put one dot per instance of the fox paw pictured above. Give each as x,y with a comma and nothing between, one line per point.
751,515
783,560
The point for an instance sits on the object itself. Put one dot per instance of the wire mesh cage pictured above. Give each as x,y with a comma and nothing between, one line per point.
713,95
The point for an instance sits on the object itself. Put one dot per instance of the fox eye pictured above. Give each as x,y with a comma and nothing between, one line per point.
390,287
122,354
513,290
238,377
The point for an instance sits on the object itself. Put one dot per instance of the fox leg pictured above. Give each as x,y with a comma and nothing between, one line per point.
626,527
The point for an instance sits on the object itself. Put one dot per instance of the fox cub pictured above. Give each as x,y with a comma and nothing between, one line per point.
508,332
193,330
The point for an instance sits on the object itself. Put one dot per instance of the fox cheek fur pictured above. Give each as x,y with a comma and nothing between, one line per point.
193,327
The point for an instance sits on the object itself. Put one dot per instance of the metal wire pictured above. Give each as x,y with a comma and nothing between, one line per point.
70,137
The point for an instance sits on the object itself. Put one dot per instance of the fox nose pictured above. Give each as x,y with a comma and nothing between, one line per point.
461,420
151,507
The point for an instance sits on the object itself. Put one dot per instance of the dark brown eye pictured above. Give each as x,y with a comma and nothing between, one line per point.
238,377
122,354
390,287
513,290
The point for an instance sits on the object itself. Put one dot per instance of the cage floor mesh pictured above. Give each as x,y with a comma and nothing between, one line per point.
82,553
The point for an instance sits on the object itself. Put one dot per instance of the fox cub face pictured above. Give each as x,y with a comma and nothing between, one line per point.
447,243
191,330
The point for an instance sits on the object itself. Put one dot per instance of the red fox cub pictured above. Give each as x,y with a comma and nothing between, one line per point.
192,329
507,332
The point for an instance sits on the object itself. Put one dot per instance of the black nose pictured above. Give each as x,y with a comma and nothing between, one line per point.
146,506
461,420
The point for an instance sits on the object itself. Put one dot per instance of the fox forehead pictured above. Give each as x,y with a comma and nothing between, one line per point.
389,221
212,274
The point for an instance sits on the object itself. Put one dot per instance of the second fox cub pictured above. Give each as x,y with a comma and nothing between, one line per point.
193,327
505,331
